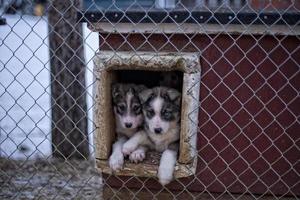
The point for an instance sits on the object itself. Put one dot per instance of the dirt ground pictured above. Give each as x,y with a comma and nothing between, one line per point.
59,179
49,179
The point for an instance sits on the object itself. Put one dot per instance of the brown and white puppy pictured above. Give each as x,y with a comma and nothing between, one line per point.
128,118
161,109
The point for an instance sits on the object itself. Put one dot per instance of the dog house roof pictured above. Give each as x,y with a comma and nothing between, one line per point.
188,12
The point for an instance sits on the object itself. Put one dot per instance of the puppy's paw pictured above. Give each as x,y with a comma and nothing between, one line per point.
127,148
165,175
137,156
116,161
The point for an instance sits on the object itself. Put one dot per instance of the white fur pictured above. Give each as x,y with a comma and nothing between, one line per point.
156,121
159,142
135,146
138,155
139,139
121,120
162,141
167,166
116,160
136,121
170,134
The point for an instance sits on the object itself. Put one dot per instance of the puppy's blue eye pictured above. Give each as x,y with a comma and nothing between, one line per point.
166,114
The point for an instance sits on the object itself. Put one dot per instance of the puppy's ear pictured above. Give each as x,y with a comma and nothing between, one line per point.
115,91
144,95
174,96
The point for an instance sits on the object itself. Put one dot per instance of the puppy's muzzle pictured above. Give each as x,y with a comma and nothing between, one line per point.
128,125
158,130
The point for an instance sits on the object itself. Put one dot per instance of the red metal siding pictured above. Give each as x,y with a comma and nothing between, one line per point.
249,127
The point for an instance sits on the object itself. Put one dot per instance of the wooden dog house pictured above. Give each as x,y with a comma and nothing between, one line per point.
107,65
247,135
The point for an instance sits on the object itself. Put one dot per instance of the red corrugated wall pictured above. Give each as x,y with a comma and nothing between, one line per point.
249,127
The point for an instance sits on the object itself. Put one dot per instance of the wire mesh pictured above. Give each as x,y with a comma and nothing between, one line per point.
249,108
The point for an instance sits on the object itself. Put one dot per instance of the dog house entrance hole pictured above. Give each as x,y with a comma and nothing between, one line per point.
151,78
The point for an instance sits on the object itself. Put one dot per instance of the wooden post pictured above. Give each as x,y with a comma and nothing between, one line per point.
69,110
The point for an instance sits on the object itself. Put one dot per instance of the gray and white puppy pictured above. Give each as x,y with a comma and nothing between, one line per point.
128,118
161,109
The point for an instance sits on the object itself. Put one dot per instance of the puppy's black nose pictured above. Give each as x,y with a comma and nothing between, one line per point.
128,125
158,130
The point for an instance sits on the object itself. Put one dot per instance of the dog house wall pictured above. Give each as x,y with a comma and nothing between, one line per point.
229,75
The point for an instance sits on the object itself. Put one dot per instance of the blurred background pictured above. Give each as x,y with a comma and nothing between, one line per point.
248,134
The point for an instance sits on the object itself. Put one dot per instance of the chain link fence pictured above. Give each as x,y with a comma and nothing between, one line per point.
249,107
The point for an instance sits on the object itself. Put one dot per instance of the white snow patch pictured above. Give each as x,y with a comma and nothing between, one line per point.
25,113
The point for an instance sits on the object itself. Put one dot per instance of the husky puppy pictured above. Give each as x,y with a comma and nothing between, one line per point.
128,118
161,109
